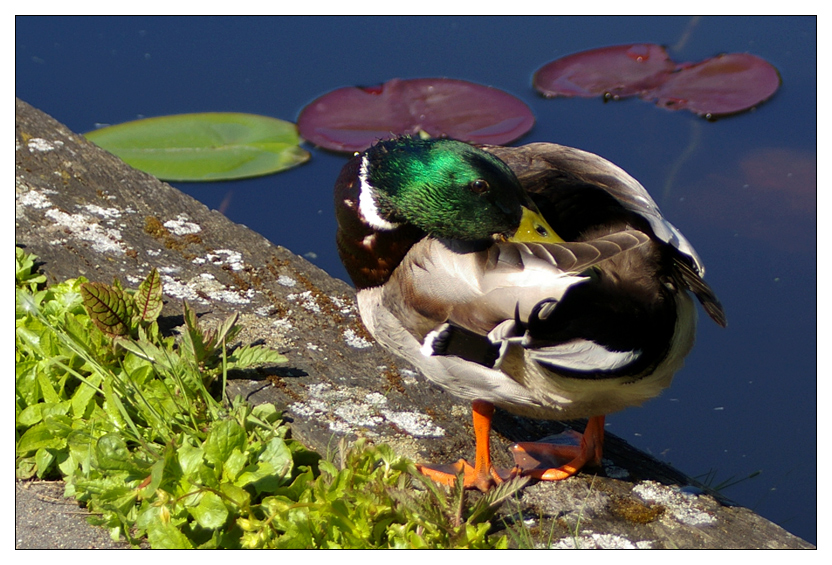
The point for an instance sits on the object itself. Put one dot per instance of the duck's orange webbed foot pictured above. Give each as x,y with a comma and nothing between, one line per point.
541,460
482,479
483,475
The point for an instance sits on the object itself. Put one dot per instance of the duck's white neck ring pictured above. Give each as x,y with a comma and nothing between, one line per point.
367,204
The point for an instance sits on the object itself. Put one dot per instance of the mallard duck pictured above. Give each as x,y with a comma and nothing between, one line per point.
540,279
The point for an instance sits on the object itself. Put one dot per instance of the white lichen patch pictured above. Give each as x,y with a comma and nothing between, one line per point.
219,257
306,300
682,506
357,415
283,324
233,259
106,213
644,544
409,376
102,239
181,290
353,409
309,408
263,311
42,145
592,540
376,399
354,340
344,306
313,347
283,280
414,423
34,198
203,288
80,226
182,225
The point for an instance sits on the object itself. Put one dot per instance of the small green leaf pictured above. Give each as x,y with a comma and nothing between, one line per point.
112,453
26,274
59,424
224,437
265,412
84,395
149,297
156,474
233,466
26,468
107,308
248,356
30,415
190,458
26,380
164,535
193,338
37,437
228,329
149,352
211,512
278,455
202,147
44,458
47,390
236,495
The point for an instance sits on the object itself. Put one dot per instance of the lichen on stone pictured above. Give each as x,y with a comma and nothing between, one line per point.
684,507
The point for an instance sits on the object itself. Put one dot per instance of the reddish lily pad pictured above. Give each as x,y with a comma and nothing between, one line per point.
623,70
719,86
726,84
351,119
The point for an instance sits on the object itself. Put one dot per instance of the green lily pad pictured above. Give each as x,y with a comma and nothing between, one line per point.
204,147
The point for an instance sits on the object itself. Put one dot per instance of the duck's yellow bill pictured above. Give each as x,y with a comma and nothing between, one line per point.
534,229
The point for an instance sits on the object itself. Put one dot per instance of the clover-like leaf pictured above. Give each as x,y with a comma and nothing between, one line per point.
108,308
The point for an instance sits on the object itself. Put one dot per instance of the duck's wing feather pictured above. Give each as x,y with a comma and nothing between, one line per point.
691,280
575,257
477,289
537,165
571,179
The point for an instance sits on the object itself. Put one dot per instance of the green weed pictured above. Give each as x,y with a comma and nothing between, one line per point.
126,417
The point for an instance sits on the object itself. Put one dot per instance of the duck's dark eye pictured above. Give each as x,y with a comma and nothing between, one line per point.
479,186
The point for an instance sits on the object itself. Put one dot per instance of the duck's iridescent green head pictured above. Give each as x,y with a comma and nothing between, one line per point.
448,189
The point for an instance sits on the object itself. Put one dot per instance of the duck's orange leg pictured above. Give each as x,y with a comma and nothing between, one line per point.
589,452
482,475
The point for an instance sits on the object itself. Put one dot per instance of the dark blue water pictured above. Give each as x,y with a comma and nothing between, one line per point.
743,189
